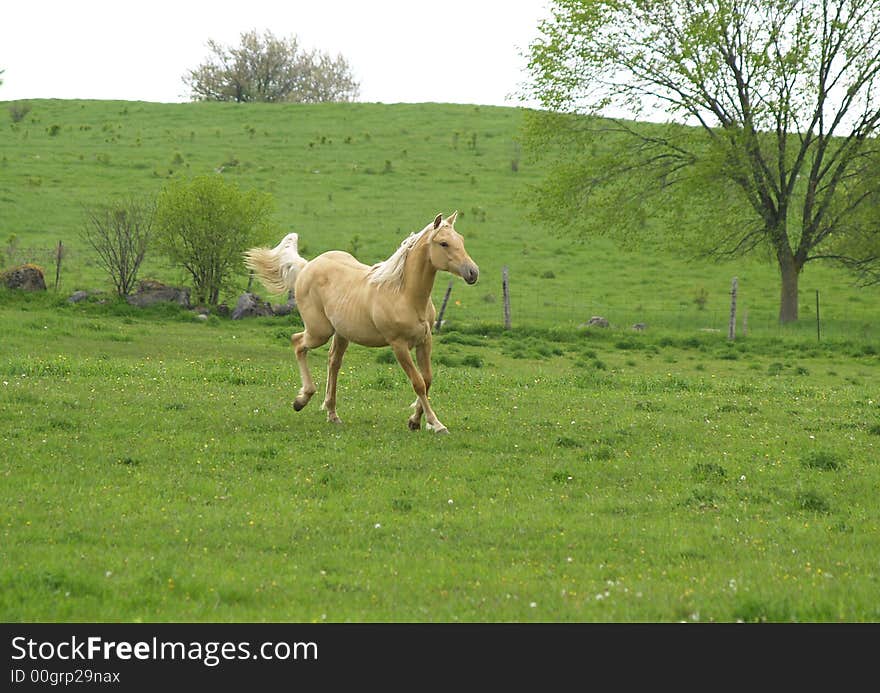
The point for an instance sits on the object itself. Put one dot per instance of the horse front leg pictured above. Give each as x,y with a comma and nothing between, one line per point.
334,361
401,351
302,342
423,359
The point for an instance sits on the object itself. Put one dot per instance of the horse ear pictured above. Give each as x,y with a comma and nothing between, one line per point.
451,218
437,221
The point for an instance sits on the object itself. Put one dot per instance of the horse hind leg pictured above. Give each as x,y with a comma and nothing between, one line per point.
334,361
301,343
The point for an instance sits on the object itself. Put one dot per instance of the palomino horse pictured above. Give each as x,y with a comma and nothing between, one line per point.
386,304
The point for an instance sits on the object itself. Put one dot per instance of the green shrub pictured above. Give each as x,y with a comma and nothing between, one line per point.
204,225
384,356
472,360
812,501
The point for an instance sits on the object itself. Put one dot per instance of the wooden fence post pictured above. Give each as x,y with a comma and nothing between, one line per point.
443,307
505,290
59,253
731,328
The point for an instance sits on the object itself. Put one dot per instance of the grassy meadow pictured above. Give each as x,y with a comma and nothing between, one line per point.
153,468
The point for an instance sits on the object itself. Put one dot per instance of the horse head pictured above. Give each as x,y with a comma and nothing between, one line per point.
447,250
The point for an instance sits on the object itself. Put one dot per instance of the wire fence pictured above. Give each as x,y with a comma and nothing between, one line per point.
834,322
843,320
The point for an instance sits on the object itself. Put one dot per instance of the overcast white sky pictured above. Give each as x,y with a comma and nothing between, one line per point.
455,51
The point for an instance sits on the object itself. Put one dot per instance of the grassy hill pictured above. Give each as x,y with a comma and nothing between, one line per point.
153,469
362,176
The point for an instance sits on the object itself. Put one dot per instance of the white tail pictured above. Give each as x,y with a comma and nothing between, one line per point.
278,267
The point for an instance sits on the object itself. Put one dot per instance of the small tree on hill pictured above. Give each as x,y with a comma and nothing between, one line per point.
266,68
119,233
204,225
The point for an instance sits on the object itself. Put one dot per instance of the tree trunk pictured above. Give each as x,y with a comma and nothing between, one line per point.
788,303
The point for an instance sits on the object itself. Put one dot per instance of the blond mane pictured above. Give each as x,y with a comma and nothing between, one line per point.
390,272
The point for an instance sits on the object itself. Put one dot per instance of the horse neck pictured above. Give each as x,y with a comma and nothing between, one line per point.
419,273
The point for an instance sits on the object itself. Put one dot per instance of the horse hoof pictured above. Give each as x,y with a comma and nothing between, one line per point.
334,419
413,425
297,405
438,428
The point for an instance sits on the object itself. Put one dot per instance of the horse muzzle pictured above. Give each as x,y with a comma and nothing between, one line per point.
470,273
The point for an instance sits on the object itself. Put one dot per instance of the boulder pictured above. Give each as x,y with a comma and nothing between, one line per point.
597,321
25,277
285,308
251,306
78,296
150,292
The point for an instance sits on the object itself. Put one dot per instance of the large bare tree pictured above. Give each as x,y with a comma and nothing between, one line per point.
784,97
268,68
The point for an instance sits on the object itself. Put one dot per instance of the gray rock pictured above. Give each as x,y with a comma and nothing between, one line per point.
597,321
150,292
78,296
251,306
25,277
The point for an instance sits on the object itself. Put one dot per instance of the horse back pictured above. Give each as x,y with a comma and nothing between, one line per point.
334,290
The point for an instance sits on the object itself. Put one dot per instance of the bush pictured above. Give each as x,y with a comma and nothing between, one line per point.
472,360
18,110
812,501
386,356
822,459
119,233
205,225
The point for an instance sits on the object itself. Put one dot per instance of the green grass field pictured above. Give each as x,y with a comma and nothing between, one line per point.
153,468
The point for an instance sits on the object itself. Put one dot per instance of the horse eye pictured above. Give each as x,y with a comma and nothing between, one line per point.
444,244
